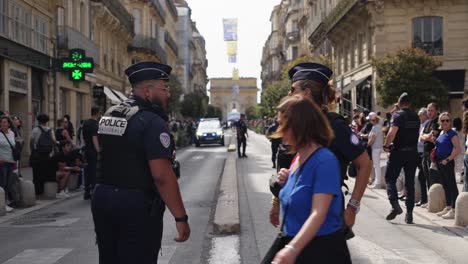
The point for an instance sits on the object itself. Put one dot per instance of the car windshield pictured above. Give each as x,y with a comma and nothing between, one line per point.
209,125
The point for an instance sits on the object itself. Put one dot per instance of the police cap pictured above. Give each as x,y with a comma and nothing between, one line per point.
147,70
404,98
310,71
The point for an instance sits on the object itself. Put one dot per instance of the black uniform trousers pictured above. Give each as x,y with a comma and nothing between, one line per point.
242,140
447,176
90,172
274,152
128,225
422,179
408,160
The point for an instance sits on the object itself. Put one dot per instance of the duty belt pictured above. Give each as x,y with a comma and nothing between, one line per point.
407,149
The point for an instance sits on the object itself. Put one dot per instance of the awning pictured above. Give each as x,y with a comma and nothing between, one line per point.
353,84
111,95
121,95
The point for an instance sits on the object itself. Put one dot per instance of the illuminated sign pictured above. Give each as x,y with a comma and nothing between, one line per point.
77,64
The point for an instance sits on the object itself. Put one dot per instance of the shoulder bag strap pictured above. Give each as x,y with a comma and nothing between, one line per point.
299,172
9,143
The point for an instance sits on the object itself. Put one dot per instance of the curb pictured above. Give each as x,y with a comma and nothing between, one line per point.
456,230
40,204
226,218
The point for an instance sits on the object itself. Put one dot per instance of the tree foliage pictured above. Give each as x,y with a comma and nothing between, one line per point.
272,95
253,112
194,105
214,112
176,91
409,70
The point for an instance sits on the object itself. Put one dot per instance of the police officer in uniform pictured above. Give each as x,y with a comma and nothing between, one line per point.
312,80
137,180
241,129
402,143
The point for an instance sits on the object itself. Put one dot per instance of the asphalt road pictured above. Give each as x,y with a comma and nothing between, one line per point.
63,233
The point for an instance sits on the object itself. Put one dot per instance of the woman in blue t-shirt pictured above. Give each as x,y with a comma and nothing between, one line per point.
311,201
447,149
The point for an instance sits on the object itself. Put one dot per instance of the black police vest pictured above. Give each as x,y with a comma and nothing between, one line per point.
123,164
407,135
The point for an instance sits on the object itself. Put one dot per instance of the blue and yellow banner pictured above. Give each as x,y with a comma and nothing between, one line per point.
230,29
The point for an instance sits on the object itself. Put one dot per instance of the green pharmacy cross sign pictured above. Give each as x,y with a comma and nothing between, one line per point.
77,64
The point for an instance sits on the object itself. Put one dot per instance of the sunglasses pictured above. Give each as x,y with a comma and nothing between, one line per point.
445,120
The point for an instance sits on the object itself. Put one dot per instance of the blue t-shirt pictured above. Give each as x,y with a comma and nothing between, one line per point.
321,174
444,144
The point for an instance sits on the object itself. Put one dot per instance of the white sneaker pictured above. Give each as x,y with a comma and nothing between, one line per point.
62,194
375,186
446,210
424,205
449,215
9,209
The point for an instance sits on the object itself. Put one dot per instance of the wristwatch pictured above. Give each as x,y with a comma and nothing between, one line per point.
182,219
354,205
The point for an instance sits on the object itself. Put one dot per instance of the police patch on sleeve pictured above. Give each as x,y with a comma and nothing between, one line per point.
354,139
114,126
165,140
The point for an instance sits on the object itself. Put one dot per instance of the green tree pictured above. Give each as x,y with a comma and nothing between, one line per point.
176,91
409,70
253,112
272,95
194,105
214,112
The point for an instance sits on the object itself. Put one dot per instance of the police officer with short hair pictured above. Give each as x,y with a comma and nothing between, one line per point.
137,180
402,143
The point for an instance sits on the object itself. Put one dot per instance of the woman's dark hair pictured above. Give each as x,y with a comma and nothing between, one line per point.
457,123
321,95
356,117
42,118
60,122
388,116
8,119
305,120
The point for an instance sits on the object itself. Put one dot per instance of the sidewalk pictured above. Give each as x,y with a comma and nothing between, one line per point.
26,173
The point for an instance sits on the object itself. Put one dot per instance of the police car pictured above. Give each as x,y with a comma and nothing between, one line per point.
209,131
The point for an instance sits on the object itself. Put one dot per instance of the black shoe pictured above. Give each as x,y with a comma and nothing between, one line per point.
87,196
396,210
274,166
402,198
245,156
409,218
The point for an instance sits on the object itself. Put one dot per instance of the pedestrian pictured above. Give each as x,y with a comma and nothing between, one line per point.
19,140
70,127
447,150
465,159
241,132
79,135
7,143
42,144
91,151
423,120
137,180
61,133
457,127
311,202
275,142
429,135
375,142
402,143
312,80
67,162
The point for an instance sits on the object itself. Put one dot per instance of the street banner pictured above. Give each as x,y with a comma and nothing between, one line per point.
232,58
231,47
230,29
235,74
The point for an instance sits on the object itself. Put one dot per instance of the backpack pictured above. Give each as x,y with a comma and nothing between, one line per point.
45,143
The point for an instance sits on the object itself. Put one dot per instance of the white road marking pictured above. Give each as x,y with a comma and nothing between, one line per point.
198,157
225,250
167,253
39,256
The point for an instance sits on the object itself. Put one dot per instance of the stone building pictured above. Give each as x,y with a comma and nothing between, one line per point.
170,34
112,31
233,95
185,45
199,62
26,47
360,30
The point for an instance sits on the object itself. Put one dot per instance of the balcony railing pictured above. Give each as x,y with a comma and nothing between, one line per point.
150,44
292,36
69,38
434,48
340,10
119,11
171,42
159,9
172,8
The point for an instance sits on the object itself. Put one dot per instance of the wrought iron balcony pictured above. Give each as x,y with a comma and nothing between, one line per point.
69,38
159,9
292,36
434,48
171,42
119,11
340,10
150,44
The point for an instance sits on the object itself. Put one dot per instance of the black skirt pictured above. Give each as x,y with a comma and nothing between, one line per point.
325,249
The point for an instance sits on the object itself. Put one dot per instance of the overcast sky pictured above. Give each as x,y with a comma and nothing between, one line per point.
253,29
